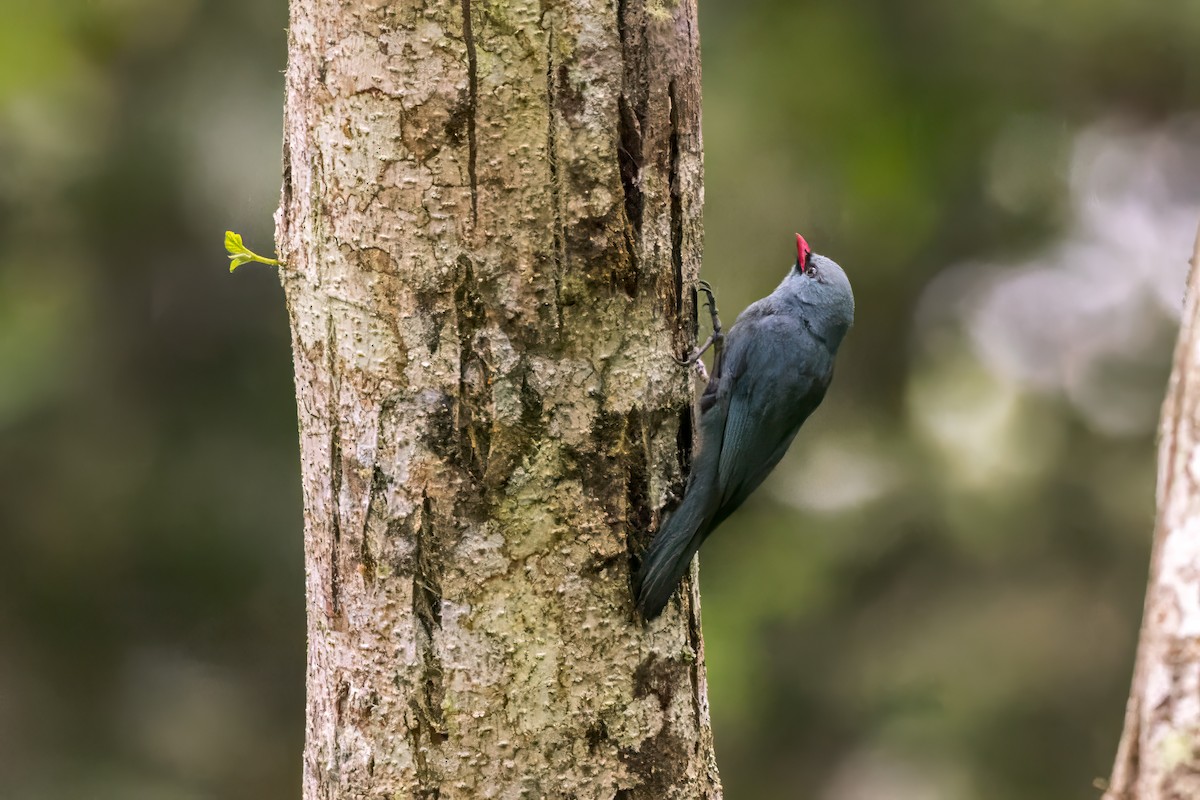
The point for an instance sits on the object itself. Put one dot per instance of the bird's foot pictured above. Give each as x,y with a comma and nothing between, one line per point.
706,287
716,340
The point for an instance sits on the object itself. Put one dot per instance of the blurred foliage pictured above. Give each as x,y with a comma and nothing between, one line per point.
151,606
936,596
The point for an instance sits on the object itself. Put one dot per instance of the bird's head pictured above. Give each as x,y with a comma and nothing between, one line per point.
823,288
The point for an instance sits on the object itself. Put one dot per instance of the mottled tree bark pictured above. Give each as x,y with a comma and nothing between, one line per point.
1159,754
490,218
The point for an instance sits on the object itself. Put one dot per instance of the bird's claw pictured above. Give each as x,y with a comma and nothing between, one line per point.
711,302
715,341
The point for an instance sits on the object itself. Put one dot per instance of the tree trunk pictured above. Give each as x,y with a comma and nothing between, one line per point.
490,214
1159,754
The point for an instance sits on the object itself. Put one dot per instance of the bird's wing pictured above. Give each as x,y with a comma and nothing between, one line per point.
738,494
768,379
775,375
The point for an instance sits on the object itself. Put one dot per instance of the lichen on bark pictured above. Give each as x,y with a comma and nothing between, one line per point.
489,215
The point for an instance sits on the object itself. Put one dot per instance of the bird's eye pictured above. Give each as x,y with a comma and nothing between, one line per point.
811,271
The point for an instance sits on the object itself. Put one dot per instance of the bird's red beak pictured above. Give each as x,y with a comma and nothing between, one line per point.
803,251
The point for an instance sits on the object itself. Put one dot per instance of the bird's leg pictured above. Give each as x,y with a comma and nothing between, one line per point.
716,339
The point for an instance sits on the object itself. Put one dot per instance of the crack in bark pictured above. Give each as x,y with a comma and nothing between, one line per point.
676,200
470,414
430,728
696,641
629,161
379,481
339,715
559,254
685,440
334,608
631,121
638,511
473,102
285,199
630,158
368,562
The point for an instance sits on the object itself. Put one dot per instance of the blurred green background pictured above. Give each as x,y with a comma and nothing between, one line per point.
937,594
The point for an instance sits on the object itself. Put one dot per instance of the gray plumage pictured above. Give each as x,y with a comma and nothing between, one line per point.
774,369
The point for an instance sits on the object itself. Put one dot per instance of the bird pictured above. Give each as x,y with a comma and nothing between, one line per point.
770,372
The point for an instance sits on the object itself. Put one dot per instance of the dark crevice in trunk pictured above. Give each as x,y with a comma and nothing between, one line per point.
379,485
473,102
687,424
631,122
695,639
629,160
471,415
639,512
683,439
559,254
430,726
285,200
629,157
676,201
335,473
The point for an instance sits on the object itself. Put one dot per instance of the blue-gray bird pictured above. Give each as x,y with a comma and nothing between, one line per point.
771,372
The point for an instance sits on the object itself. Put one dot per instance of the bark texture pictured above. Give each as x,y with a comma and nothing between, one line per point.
490,213
1159,754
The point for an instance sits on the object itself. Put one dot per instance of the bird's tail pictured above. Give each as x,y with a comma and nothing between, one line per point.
670,553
